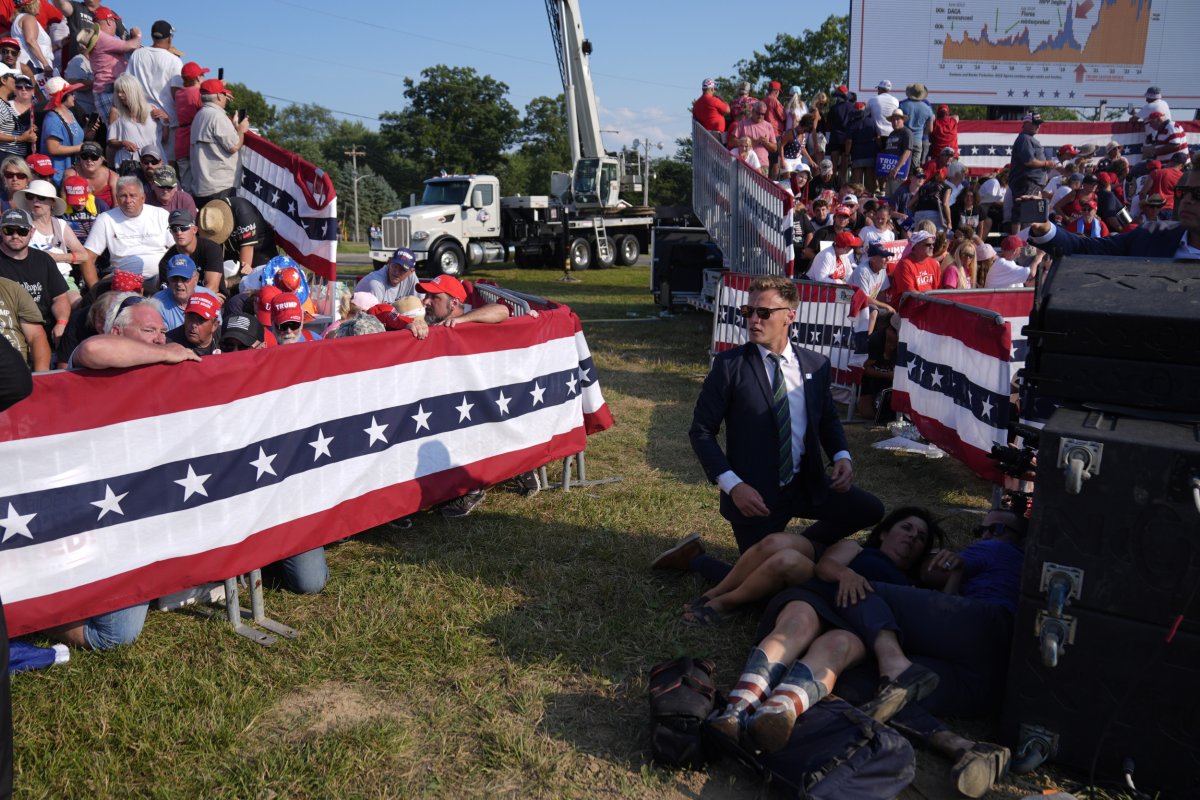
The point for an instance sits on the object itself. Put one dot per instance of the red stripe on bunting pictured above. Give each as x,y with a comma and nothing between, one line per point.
296,536
1007,303
64,402
974,331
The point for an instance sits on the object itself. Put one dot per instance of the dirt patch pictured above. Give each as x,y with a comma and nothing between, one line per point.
316,710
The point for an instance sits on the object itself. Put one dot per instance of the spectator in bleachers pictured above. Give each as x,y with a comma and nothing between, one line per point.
1066,190
40,166
963,270
742,105
938,163
216,140
1090,224
87,319
246,238
943,132
22,108
287,319
1006,273
36,48
710,110
841,222
879,226
1071,206
82,207
824,179
183,279
1152,206
187,104
1027,171
899,144
157,69
358,324
985,257
871,276
940,251
80,17
918,119
34,270
848,197
861,145
12,142
881,107
10,51
760,133
836,263
201,321
22,325
90,165
446,304
133,234
167,194
1113,161
991,203
132,127
1163,181
933,201
206,254
964,209
395,279
918,271
1168,138
242,332
792,145
51,234
62,135
745,151
79,70
795,110
109,57
776,114
837,123
135,336
1109,205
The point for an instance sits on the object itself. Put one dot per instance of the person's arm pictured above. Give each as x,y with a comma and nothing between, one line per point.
88,267
246,258
39,345
65,7
55,147
834,568
212,282
492,312
117,352
29,29
60,307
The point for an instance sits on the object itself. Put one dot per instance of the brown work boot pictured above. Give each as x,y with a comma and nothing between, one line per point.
681,555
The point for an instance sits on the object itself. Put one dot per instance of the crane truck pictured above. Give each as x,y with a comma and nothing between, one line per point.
463,221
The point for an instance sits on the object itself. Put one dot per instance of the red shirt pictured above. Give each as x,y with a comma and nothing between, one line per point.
710,111
775,113
187,103
916,276
1163,181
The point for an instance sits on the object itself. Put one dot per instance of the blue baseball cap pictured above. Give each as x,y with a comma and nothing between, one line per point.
878,250
403,257
181,266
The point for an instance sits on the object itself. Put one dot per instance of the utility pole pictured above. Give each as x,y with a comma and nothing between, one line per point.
354,153
646,145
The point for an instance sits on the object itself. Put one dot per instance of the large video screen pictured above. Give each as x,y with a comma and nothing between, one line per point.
1028,52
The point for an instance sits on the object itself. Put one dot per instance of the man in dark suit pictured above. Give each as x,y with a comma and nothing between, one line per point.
774,399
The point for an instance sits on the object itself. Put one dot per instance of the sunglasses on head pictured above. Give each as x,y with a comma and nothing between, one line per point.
129,302
288,326
763,312
15,230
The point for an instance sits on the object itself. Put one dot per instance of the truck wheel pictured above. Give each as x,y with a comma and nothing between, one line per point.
448,259
600,261
581,254
628,250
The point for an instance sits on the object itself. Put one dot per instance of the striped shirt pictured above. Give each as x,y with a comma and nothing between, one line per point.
1172,138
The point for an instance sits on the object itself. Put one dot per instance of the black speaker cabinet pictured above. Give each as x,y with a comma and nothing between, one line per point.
1118,331
678,258
1106,652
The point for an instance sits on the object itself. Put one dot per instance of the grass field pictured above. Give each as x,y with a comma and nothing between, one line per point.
502,654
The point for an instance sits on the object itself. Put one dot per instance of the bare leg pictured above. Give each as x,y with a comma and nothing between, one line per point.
753,558
71,634
889,654
785,568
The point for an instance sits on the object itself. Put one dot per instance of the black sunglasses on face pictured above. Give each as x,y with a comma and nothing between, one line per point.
88,157
178,228
151,160
763,312
288,326
13,230
232,346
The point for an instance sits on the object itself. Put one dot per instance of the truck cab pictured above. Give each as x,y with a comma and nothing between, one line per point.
455,226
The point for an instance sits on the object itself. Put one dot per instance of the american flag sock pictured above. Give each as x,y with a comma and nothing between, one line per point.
758,676
798,691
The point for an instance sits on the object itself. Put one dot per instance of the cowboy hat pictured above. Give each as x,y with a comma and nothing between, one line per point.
916,91
216,221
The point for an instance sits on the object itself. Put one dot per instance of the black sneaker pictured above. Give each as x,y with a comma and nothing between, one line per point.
527,484
461,506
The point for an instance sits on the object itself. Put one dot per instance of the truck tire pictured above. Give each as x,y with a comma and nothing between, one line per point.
448,259
628,249
581,254
600,261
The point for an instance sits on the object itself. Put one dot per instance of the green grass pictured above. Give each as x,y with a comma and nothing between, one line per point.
503,654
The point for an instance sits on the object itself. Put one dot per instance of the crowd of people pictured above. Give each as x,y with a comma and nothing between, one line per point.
124,244
883,203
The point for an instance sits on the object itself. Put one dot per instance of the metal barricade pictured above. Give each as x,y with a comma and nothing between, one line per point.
519,303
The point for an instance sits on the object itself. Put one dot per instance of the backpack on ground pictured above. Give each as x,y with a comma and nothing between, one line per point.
835,752
682,695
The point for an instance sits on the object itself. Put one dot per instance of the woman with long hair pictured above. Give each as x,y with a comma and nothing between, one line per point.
90,165
131,126
962,272
36,48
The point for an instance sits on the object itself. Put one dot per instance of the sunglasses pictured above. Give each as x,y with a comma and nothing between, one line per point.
179,228
232,346
763,312
12,176
1187,191
151,160
14,230
89,157
288,326
129,302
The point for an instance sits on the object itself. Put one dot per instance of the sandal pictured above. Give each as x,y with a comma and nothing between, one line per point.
980,768
705,616
696,602
915,683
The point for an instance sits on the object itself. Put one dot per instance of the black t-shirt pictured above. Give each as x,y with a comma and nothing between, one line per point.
16,382
208,258
177,336
1107,204
38,274
898,141
249,228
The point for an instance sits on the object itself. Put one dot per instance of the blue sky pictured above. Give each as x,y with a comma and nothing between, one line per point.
649,59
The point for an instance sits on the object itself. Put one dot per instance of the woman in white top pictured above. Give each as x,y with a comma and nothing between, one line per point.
51,234
796,108
131,125
36,48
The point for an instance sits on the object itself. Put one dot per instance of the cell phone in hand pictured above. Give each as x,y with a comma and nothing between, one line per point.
241,114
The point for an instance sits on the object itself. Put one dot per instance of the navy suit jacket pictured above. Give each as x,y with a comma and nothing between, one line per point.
738,394
1156,240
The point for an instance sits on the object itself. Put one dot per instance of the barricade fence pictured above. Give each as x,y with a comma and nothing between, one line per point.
122,488
747,215
955,367
832,320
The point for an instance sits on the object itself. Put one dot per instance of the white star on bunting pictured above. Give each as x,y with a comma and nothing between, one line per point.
16,524
422,418
987,407
464,410
263,464
375,432
583,374
193,484
321,445
111,502
537,393
503,402
571,385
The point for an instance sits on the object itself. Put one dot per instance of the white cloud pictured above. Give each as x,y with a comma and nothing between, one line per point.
651,123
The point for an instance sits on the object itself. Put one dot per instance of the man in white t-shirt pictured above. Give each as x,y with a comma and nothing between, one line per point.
881,107
834,264
871,276
395,279
1006,273
134,234
879,227
157,69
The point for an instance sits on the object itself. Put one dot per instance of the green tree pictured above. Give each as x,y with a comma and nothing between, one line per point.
260,112
303,129
671,184
543,148
456,120
814,60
